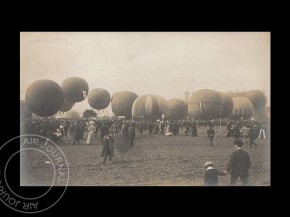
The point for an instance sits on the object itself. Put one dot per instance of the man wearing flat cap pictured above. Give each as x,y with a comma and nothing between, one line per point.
239,164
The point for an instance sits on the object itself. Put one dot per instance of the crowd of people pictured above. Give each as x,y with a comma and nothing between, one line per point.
59,129
106,131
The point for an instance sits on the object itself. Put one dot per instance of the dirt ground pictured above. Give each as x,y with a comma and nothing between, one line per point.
154,160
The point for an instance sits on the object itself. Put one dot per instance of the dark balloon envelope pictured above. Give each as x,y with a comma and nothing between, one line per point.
261,114
44,98
99,98
227,105
66,106
163,106
75,89
205,104
145,107
122,102
177,109
257,98
242,108
25,112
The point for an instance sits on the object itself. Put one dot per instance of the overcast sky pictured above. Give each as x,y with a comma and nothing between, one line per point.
167,64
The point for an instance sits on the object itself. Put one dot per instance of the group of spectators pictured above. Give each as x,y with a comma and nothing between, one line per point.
248,131
107,130
59,129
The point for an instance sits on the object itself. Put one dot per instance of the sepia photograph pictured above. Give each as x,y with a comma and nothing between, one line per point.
145,109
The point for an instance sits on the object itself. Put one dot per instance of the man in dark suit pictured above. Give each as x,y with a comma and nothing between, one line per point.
104,131
77,133
131,134
252,136
108,147
239,164
210,134
235,132
193,129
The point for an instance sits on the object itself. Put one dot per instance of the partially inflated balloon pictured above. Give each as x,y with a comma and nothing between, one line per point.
177,108
243,108
260,114
257,98
99,98
227,105
163,106
75,89
205,105
145,107
44,98
122,103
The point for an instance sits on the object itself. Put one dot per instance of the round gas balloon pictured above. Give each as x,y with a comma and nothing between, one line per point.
177,108
242,108
257,98
205,105
163,106
99,98
75,89
122,102
227,105
25,112
145,108
66,106
44,98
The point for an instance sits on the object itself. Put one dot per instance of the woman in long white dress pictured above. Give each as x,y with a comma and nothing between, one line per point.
168,129
91,135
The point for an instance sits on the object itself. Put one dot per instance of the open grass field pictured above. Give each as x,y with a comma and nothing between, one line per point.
155,160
